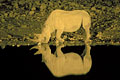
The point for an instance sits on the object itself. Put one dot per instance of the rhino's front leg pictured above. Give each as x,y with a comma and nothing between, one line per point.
58,36
59,52
47,37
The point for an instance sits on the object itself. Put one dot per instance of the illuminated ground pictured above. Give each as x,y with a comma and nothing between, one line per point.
19,20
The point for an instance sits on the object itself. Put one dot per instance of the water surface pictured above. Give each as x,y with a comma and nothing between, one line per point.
21,62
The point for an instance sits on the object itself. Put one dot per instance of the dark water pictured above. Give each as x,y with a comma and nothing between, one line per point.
21,63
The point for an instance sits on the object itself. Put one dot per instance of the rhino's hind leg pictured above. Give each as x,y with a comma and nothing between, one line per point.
87,40
87,60
58,36
86,26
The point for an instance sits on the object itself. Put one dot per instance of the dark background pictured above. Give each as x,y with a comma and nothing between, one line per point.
21,63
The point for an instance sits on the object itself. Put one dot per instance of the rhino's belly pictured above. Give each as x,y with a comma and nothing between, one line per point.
71,28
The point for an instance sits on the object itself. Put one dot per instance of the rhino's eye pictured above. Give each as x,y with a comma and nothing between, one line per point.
44,38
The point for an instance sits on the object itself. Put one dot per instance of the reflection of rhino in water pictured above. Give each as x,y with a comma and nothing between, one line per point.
64,21
65,64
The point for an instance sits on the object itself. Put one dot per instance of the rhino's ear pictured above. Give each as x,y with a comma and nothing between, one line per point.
42,39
